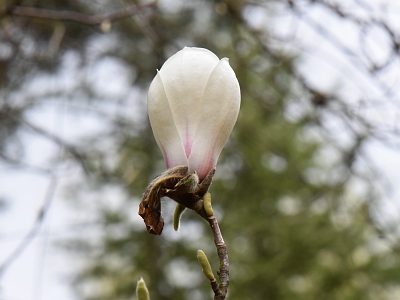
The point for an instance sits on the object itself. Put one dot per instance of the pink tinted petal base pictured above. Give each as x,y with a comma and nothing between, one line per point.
187,142
204,163
219,111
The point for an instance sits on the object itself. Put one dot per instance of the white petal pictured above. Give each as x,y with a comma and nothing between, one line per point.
185,77
219,111
163,125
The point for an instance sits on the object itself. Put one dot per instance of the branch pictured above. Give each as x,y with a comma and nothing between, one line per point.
32,12
75,153
223,260
21,164
183,187
35,228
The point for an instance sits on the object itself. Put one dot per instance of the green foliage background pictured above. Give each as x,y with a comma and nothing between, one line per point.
293,226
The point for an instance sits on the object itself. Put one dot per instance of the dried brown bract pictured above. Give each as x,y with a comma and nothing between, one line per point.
179,185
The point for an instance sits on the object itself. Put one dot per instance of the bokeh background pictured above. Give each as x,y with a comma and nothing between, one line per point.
306,189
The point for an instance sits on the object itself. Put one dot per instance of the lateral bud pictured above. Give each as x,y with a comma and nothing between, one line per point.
207,204
142,293
205,265
179,209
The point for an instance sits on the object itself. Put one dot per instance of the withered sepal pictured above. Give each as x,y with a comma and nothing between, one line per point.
178,185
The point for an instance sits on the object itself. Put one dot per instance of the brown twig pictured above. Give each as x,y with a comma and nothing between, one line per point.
217,292
32,12
220,293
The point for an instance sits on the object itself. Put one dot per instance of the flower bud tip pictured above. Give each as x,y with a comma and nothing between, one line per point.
142,292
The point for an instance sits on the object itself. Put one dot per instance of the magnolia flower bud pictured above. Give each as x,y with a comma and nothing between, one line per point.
193,104
142,293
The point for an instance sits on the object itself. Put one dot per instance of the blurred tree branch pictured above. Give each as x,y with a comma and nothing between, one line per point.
21,164
75,153
33,12
35,227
